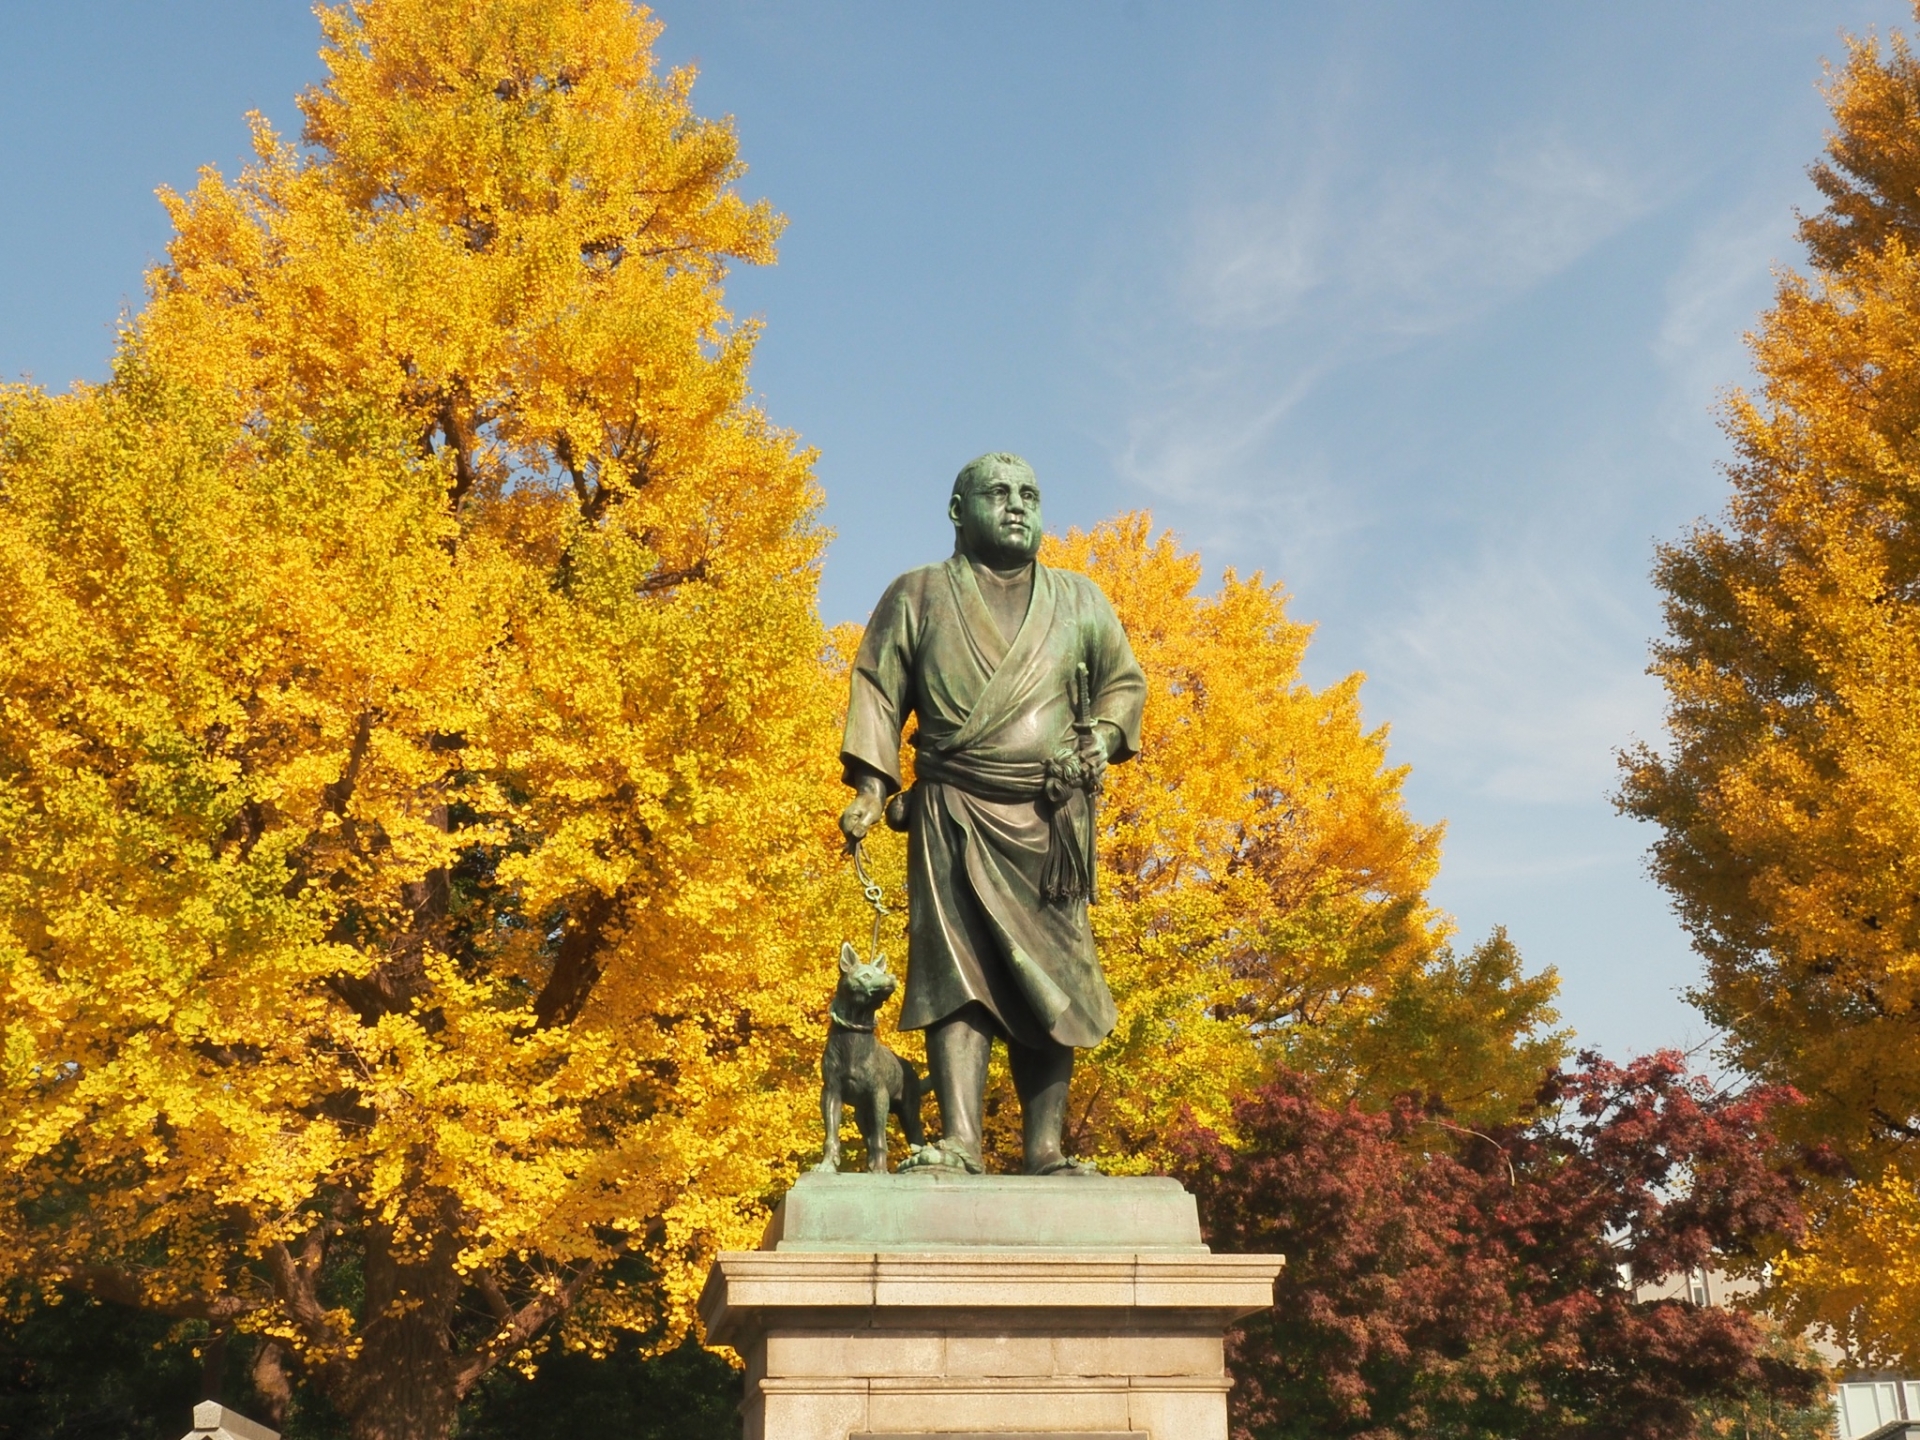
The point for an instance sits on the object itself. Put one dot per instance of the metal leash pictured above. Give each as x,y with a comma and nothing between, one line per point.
875,896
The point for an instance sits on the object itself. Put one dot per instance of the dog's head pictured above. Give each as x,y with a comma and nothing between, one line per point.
864,984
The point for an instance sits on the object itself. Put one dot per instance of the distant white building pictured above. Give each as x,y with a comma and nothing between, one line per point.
1698,1287
1881,1406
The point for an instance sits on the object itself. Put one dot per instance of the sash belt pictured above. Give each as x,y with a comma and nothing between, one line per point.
1060,788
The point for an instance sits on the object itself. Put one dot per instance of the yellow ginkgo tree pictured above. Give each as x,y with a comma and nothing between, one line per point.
413,791
1787,797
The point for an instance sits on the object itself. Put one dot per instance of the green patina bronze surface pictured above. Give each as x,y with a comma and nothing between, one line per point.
991,716
1024,689
937,1210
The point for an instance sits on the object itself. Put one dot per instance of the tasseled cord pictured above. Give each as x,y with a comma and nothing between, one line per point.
1066,875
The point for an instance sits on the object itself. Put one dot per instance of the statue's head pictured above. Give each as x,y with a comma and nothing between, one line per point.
995,511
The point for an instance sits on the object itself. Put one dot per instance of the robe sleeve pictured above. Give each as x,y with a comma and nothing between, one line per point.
882,688
1119,685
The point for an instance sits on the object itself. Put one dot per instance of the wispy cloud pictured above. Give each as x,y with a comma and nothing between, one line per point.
1711,300
1520,674
1439,350
1409,250
1276,283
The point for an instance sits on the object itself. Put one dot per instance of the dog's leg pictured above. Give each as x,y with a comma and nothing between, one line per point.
873,1125
830,1116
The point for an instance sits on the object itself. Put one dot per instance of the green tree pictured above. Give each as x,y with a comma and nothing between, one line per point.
87,1370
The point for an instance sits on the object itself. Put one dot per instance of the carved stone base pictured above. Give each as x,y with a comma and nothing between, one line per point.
916,1336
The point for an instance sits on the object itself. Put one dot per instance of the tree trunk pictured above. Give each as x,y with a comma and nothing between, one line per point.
401,1385
271,1382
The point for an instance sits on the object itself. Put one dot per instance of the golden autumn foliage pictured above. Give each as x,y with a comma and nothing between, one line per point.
1263,890
411,798
1788,799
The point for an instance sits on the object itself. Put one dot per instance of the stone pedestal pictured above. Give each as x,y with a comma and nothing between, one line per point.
1075,1308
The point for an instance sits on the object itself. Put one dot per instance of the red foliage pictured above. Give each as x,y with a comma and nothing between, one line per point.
1446,1283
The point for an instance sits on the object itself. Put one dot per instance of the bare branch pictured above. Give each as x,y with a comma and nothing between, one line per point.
667,579
459,437
294,1282
338,795
124,1287
524,1324
576,969
496,1299
1904,1128
590,502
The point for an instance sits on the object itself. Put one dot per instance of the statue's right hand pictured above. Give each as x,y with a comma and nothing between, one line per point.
861,815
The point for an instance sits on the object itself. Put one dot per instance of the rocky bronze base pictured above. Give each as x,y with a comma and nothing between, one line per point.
884,1307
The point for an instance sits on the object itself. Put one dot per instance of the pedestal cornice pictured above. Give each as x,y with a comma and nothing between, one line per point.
1209,1290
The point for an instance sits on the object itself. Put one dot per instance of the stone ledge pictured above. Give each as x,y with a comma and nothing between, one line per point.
818,1289
1014,1348
1034,1384
1065,1385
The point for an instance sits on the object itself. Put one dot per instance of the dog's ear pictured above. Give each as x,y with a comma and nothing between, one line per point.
880,964
849,958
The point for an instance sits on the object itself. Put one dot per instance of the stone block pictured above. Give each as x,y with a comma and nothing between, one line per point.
999,1354
806,1411
1240,1283
1178,1413
861,1351
996,1279
1138,1353
995,1406
931,1210
214,1421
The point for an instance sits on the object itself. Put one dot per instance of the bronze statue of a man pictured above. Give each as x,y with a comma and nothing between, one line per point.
1025,689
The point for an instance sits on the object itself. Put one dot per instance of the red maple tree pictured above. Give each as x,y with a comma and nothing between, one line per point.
1446,1282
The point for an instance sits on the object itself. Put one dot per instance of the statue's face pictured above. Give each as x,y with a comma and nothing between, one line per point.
998,516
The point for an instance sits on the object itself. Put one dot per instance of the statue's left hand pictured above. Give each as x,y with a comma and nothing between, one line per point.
1092,754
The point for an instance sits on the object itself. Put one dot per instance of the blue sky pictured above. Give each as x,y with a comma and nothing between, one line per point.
1419,308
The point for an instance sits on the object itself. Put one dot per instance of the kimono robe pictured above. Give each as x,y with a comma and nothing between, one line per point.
991,714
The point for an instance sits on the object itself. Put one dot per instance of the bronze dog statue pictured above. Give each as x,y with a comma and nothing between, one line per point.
858,1070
